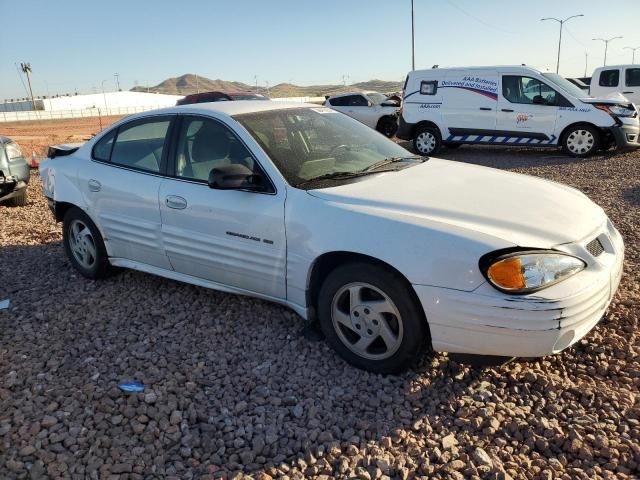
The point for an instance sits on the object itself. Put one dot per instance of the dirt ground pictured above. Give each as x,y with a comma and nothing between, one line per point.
37,136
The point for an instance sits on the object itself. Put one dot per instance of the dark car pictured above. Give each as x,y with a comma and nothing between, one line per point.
207,97
14,173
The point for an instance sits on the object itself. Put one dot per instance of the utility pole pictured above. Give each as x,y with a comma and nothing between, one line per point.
633,50
561,22
26,69
345,77
117,75
586,63
104,95
606,45
413,40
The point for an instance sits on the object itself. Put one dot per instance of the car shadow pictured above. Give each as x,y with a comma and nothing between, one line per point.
230,382
631,195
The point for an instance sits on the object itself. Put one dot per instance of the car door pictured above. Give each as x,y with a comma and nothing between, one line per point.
527,110
631,88
235,238
469,104
121,189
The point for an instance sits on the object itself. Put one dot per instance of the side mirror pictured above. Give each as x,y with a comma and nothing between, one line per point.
235,177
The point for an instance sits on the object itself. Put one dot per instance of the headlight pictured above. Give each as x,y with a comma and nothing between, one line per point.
525,272
617,110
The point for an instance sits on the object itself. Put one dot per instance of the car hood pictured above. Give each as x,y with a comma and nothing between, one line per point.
519,209
615,98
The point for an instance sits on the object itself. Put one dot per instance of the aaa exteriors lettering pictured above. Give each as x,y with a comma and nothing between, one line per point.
482,86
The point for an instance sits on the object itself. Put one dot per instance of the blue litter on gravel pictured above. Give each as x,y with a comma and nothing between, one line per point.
131,387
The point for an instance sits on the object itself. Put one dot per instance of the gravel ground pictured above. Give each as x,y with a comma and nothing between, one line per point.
233,389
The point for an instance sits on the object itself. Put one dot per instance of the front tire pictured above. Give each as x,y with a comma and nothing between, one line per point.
427,140
387,126
581,141
84,246
370,318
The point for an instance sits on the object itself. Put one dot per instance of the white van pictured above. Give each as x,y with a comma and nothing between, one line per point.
624,79
513,105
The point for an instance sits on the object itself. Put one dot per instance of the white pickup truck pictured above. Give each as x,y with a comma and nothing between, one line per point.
623,79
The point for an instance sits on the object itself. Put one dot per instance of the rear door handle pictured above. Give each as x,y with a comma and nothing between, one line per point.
173,201
627,92
94,185
506,110
486,109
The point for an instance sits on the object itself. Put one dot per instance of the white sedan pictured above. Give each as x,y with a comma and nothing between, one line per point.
391,253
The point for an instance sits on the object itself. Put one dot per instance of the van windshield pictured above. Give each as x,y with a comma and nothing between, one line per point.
565,85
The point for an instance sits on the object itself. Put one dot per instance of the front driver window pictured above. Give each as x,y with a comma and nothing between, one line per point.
527,90
205,144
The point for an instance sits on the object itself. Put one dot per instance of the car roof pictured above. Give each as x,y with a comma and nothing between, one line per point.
227,108
501,68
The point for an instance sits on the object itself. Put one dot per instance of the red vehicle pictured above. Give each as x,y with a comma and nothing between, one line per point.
207,97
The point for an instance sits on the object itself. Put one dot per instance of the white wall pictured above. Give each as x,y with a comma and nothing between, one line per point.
108,100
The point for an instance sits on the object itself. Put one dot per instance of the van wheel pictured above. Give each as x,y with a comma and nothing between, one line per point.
387,126
84,246
427,140
581,141
369,317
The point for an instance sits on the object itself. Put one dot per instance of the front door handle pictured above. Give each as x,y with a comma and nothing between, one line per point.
506,110
94,185
173,201
488,109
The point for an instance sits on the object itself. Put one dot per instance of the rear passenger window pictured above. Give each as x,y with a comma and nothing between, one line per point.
338,102
632,77
102,149
358,101
428,88
140,145
609,78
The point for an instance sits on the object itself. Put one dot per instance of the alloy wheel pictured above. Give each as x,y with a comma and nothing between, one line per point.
367,321
82,244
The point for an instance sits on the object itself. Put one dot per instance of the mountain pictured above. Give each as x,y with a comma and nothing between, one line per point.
190,83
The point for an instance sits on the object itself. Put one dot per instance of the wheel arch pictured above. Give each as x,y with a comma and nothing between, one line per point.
327,262
425,123
576,124
61,208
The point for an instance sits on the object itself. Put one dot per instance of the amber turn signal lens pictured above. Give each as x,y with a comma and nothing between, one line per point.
507,274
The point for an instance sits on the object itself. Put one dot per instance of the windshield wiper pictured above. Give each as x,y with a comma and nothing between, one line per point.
390,160
334,176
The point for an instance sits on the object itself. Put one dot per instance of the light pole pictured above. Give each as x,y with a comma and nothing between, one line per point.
561,22
586,63
413,40
606,45
117,76
633,50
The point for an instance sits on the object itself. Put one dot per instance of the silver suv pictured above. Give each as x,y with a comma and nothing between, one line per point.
14,173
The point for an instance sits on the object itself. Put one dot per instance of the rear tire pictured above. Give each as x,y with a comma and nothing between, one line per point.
387,126
84,246
581,141
19,200
368,316
427,140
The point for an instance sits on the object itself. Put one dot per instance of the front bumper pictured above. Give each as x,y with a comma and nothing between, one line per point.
488,322
627,136
10,186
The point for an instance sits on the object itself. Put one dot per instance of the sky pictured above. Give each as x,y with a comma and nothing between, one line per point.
78,45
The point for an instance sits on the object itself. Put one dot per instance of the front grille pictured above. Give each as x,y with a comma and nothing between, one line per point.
594,247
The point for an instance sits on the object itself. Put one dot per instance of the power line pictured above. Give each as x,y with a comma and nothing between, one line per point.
479,20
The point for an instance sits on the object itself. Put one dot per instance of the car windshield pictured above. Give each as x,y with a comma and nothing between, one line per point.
309,144
565,85
376,98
